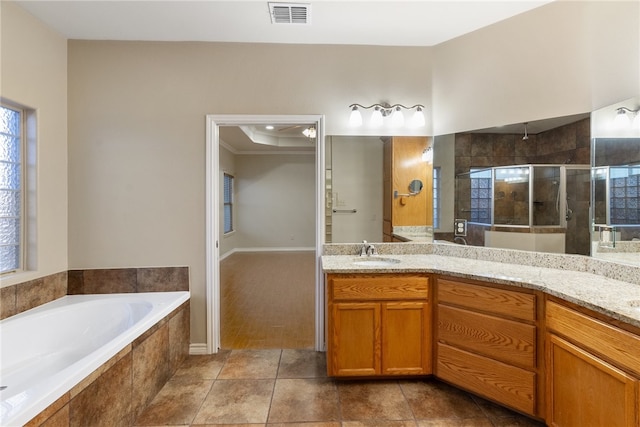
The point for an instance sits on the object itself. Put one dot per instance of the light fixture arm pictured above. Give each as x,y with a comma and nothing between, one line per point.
625,110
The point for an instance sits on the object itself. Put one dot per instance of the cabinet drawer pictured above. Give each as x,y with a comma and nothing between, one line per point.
505,340
620,346
503,383
380,287
499,301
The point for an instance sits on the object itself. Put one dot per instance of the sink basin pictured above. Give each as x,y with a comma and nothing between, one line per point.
376,262
634,303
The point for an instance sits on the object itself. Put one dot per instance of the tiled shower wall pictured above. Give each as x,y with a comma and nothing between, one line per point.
566,144
24,296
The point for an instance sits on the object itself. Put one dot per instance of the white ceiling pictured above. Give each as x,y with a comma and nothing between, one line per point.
354,22
359,22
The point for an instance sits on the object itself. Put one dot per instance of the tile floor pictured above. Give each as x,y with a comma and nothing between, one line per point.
289,388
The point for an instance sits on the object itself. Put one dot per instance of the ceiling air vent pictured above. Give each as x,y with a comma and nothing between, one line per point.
290,13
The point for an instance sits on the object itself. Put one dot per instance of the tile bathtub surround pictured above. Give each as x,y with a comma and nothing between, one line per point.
128,280
246,387
24,296
116,393
27,295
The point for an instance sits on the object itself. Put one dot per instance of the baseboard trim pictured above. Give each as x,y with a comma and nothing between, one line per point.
198,348
285,249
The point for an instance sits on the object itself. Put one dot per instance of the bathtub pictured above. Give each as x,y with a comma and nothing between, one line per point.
49,349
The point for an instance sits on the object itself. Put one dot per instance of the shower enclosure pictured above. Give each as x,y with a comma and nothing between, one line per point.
547,204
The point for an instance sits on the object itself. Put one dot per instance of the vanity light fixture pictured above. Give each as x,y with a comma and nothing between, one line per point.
382,110
310,132
625,117
427,155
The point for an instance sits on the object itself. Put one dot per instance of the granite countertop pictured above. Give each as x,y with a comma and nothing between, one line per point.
572,278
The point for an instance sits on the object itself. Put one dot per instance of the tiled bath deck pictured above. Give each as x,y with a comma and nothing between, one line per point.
290,388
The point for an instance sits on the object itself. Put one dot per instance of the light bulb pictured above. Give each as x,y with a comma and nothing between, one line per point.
418,118
397,119
621,121
427,155
376,117
356,118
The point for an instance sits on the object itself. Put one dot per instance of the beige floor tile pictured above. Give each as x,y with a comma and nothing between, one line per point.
431,399
201,367
316,424
228,425
456,422
302,364
517,421
379,423
251,364
373,400
176,404
299,400
236,402
504,417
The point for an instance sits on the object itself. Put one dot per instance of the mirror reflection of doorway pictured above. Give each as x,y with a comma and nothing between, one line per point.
267,260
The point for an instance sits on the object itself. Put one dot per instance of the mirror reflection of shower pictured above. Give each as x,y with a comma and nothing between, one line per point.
538,201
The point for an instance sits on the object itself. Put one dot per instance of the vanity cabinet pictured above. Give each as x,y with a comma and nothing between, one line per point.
592,370
378,325
486,341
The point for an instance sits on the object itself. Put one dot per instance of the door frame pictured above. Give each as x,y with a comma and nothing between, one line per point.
212,229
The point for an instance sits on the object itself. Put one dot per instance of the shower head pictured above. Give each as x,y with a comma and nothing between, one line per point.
526,136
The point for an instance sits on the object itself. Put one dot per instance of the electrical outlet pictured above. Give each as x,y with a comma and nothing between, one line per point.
459,227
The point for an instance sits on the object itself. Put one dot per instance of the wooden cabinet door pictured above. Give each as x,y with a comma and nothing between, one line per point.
406,338
583,390
355,339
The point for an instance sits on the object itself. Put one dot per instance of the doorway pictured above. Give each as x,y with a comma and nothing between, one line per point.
213,207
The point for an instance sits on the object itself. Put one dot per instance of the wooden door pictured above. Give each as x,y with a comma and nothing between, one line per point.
406,338
355,339
585,391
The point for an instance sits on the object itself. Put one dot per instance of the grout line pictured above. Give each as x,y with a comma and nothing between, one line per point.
273,390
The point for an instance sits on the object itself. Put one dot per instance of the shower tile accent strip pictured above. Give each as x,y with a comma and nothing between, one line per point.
24,296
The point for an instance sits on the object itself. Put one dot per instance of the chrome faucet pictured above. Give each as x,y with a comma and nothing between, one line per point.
367,249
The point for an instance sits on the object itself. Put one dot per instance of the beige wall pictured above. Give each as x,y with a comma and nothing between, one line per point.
34,74
136,174
564,58
275,201
137,135
356,172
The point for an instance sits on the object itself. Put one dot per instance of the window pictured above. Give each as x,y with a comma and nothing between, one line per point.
481,190
228,203
436,198
11,188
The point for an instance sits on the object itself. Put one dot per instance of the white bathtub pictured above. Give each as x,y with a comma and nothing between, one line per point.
47,350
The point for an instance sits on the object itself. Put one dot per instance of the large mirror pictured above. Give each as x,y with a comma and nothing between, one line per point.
531,179
378,189
524,186
616,182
